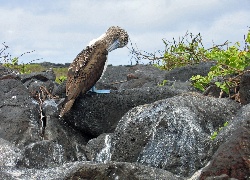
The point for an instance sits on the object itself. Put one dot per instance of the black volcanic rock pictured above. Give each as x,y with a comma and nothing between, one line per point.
120,170
99,113
18,114
22,127
34,81
186,72
233,144
142,130
244,91
172,134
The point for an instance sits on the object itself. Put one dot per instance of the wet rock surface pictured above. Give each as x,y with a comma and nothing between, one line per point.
172,134
139,131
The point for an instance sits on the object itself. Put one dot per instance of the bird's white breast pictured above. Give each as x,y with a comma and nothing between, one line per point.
105,66
91,43
97,39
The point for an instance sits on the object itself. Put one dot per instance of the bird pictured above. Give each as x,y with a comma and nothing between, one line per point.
90,64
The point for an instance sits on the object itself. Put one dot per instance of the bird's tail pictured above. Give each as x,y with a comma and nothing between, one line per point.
67,106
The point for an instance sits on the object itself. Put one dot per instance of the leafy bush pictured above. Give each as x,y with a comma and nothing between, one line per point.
231,64
188,50
13,63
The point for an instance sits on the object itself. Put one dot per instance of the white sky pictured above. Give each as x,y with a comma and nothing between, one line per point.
59,29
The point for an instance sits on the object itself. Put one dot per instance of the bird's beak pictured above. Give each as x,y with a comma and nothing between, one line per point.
114,46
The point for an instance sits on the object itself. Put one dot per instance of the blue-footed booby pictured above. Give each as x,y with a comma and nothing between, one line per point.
90,64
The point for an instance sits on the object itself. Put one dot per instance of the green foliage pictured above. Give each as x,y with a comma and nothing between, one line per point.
61,79
164,82
230,63
13,63
215,133
188,50
60,71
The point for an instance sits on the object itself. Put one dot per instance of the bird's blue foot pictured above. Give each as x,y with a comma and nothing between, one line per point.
103,91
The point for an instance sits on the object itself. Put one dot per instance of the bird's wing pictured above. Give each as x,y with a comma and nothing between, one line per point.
86,70
75,73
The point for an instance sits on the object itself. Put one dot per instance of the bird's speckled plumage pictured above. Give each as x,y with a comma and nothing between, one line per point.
88,66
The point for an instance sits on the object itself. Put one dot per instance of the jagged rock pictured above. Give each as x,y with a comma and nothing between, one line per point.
144,76
61,144
120,170
60,89
233,142
9,153
99,113
245,88
42,76
21,125
172,134
6,72
89,170
34,81
60,172
186,72
18,114
43,154
98,149
168,135
221,177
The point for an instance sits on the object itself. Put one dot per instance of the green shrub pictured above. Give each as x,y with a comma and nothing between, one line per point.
231,63
188,50
13,63
60,79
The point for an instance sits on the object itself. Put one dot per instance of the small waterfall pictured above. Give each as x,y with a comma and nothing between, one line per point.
104,155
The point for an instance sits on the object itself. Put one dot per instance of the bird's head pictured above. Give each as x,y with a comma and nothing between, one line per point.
116,37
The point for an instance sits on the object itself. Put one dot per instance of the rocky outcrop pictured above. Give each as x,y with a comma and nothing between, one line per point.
244,91
232,156
99,113
143,129
120,170
18,114
22,131
185,73
172,134
88,114
89,170
34,81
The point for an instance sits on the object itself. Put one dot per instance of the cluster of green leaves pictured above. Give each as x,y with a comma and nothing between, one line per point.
60,79
164,82
215,133
61,73
13,64
188,50
230,64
